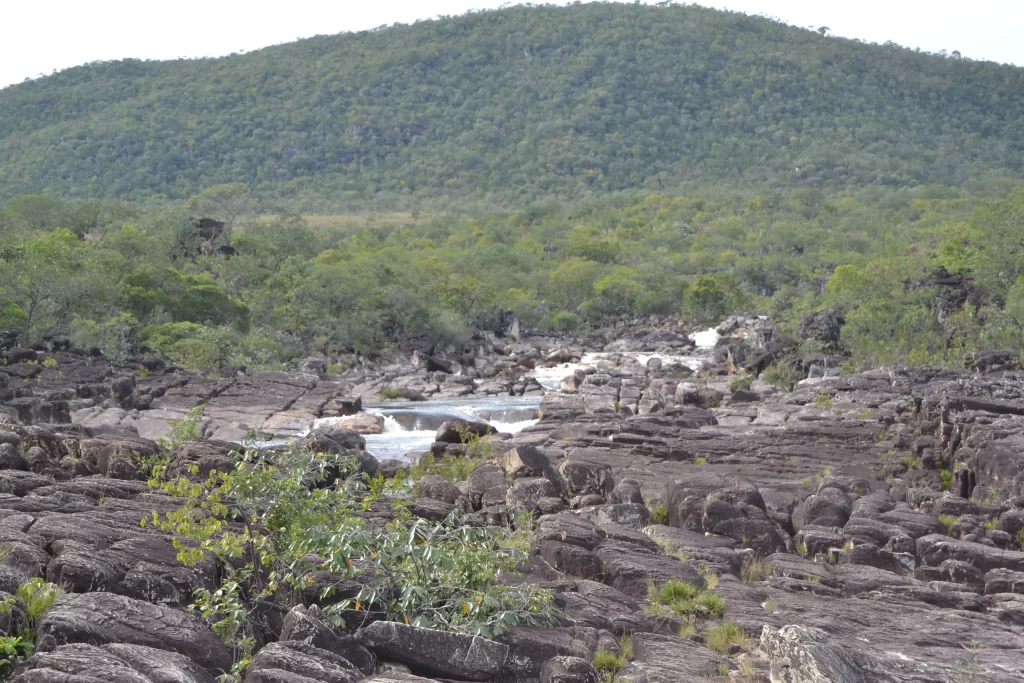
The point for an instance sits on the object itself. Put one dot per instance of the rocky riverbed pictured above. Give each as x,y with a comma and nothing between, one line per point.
862,527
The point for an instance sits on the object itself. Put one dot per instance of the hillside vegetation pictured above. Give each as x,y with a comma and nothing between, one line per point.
506,107
918,276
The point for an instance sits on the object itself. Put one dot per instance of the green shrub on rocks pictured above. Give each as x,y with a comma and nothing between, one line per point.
283,520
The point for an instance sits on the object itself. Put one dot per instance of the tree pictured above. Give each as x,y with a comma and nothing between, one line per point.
46,278
711,297
223,202
572,280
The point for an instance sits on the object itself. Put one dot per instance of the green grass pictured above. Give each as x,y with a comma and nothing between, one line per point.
992,524
948,521
945,480
699,461
659,513
453,469
725,634
387,393
685,600
609,664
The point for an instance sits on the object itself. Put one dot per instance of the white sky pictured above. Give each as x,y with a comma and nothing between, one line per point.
37,38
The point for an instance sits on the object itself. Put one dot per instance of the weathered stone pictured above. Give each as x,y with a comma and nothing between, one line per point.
105,618
300,659
435,652
568,670
801,654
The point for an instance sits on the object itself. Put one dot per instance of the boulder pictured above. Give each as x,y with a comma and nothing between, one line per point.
435,652
802,654
583,478
333,439
309,625
458,431
302,660
439,488
106,618
527,493
568,670
123,663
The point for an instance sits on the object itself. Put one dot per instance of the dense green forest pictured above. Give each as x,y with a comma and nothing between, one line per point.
501,109
921,275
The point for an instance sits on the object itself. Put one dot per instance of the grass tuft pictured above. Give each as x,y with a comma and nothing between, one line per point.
685,600
755,569
724,635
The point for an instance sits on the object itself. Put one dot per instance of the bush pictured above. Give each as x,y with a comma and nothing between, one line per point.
290,506
783,374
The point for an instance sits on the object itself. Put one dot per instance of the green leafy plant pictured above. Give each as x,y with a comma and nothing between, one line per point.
154,467
945,480
37,595
291,505
388,393
783,374
13,649
743,381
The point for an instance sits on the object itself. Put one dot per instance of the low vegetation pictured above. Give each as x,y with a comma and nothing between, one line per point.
755,569
609,664
659,513
685,600
290,505
724,635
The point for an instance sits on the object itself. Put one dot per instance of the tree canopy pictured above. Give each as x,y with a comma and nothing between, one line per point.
508,107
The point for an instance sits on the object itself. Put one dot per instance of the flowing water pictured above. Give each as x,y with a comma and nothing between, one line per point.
410,427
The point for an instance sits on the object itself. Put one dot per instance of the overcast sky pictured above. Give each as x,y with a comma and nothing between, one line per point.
37,38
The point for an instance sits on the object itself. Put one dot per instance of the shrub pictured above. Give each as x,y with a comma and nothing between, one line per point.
783,374
743,381
948,521
945,480
823,399
388,393
289,506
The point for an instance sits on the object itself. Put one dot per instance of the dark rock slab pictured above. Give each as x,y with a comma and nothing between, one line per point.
435,652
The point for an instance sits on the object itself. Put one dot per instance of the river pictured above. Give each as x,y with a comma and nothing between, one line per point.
409,427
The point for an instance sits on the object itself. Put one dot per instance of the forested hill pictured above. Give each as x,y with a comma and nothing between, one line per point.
517,104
